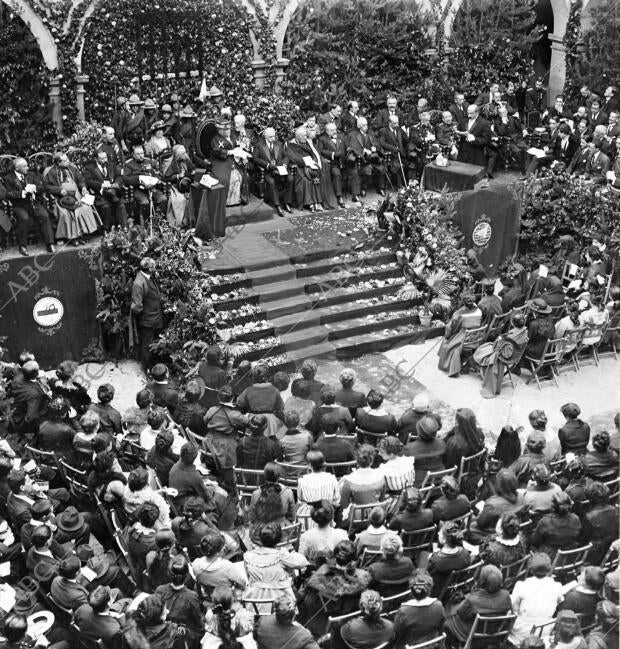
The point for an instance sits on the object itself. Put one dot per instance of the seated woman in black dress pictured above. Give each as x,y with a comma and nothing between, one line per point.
559,530
600,522
420,618
375,419
487,598
370,630
411,516
348,397
507,546
390,574
601,463
427,449
450,556
540,328
452,503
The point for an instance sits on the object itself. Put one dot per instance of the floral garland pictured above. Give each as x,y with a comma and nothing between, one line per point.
571,40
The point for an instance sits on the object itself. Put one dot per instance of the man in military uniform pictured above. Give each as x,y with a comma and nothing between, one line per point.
535,102
150,113
136,127
332,147
111,146
140,165
119,121
170,120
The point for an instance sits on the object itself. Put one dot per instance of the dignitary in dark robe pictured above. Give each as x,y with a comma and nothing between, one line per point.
308,177
393,145
327,197
136,127
494,357
363,160
332,148
133,171
146,307
28,205
270,156
65,182
103,178
229,169
475,135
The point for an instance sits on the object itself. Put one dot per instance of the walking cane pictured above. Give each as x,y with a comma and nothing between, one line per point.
402,171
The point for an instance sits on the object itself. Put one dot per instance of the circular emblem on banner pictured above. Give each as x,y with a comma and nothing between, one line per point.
482,234
48,311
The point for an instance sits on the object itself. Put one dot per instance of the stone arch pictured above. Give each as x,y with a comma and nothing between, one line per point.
46,42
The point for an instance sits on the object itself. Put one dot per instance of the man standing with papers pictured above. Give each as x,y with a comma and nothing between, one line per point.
270,156
561,149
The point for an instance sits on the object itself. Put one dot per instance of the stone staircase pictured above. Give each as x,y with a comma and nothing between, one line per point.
328,303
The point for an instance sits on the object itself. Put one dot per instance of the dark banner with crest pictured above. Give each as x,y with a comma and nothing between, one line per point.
48,305
489,219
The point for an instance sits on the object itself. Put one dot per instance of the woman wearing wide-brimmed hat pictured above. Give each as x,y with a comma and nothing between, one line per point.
540,328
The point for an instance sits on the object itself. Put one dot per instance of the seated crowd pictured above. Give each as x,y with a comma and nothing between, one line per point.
248,510
149,157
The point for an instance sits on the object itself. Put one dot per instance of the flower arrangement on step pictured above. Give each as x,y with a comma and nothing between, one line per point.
433,263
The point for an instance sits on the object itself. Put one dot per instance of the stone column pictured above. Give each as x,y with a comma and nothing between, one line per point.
55,100
258,66
281,70
557,71
80,80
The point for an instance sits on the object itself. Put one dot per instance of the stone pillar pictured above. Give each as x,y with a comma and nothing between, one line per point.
557,71
259,65
55,100
80,80
281,70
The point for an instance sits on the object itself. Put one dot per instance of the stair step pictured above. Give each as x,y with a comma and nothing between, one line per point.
380,341
293,304
295,339
275,291
361,325
322,350
325,265
271,275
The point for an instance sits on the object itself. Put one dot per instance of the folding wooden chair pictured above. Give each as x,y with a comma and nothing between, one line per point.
358,514
582,353
498,325
472,465
514,572
567,563
557,467
45,458
332,630
197,441
609,339
569,358
258,606
132,455
490,631
614,490
368,557
291,474
392,603
75,480
368,437
460,580
416,541
340,468
436,643
549,359
290,536
431,483
610,561
474,338
541,630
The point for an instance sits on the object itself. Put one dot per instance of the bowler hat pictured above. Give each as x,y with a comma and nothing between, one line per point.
539,305
70,520
68,202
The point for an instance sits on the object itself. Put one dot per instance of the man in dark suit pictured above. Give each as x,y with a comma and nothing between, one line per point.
613,127
559,111
382,120
598,163
104,179
536,97
119,121
95,622
611,100
28,204
269,155
392,142
164,395
486,97
349,118
31,396
596,116
146,308
66,589
363,159
459,108
475,135
561,149
332,116
577,166
332,147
